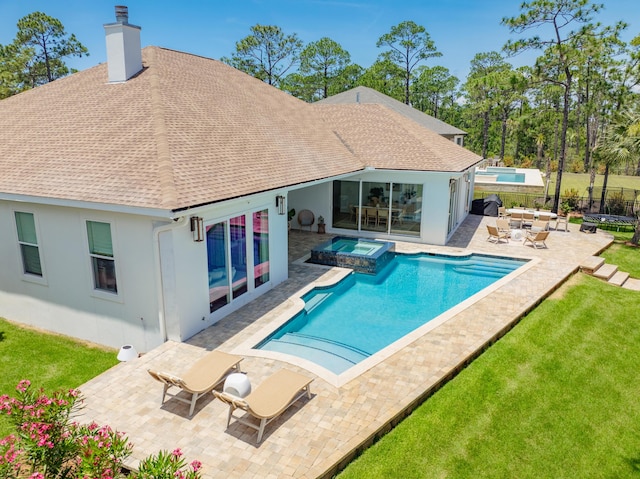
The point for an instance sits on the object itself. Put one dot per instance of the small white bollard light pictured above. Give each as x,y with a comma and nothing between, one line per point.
127,353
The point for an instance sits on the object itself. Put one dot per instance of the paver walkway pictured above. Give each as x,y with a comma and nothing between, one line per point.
316,436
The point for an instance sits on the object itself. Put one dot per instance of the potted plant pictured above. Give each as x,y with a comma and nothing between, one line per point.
321,224
290,215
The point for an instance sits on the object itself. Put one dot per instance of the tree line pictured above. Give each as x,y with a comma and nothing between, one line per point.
575,109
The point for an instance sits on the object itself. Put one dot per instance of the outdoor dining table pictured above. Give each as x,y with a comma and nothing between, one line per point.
536,213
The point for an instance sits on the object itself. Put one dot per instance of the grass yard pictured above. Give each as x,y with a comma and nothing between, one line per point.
621,254
47,360
556,397
580,182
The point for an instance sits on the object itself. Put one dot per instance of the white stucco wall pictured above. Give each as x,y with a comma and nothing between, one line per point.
161,273
64,300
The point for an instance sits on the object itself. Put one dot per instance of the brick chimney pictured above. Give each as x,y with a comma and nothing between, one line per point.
124,53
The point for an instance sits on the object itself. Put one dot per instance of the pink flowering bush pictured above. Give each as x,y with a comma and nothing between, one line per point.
167,466
48,444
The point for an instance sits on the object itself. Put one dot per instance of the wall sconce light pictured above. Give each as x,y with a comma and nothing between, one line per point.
127,353
280,204
197,228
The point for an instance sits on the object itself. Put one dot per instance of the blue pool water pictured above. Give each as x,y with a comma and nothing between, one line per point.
505,177
346,323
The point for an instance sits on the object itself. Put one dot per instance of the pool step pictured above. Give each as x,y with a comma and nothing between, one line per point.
487,268
315,301
336,357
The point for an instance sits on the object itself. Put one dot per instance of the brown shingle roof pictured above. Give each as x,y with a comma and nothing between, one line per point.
185,131
363,94
385,139
188,131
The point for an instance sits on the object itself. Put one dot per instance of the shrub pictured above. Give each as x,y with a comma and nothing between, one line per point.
572,197
47,444
617,204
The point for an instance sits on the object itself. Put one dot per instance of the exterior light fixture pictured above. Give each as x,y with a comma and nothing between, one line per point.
281,205
127,353
197,228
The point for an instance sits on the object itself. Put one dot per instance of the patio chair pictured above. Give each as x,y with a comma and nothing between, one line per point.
306,218
502,212
515,220
397,215
372,215
201,378
269,400
527,219
383,216
539,225
495,235
503,225
537,239
562,222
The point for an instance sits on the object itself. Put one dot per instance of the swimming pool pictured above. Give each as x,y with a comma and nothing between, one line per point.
346,323
504,177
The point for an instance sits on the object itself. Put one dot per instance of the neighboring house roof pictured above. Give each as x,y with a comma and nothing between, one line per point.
185,131
386,139
365,95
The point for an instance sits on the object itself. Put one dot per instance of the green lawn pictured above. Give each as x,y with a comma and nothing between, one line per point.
580,182
47,360
556,397
621,254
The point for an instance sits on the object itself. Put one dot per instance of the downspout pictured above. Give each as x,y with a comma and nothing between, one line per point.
159,284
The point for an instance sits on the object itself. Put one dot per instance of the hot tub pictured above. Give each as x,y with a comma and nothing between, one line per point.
361,255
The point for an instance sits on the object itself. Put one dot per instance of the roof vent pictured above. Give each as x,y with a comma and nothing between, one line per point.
124,53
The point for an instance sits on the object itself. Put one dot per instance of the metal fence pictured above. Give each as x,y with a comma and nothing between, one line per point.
618,201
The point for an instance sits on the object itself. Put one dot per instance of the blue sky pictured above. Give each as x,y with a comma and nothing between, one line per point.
459,28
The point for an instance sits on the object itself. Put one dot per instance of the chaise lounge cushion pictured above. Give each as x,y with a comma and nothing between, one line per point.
269,400
201,378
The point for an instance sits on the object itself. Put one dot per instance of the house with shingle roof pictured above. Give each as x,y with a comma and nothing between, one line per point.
146,198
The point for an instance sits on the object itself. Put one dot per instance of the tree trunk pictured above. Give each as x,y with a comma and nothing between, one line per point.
563,141
604,188
592,180
503,140
636,235
485,133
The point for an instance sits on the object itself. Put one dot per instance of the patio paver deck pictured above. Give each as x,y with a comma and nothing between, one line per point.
315,436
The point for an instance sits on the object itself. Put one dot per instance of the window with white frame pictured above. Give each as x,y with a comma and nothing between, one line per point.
102,260
28,240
